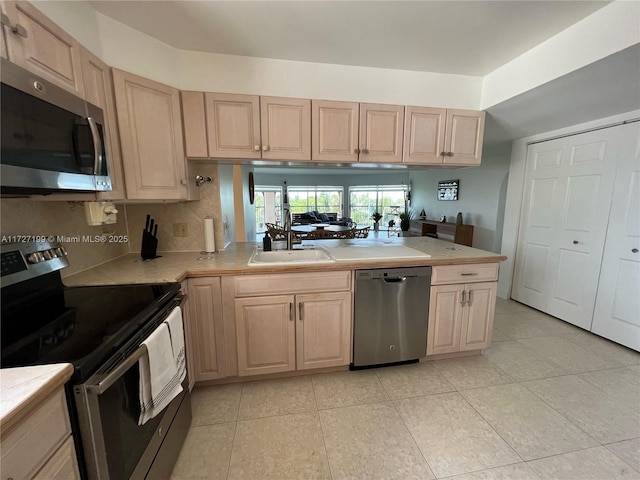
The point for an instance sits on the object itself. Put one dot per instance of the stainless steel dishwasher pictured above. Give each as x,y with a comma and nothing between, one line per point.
391,313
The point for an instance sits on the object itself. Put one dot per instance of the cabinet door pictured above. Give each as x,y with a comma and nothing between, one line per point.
233,128
445,319
323,331
99,91
265,331
464,134
285,124
424,135
335,131
151,135
42,47
205,331
63,464
477,319
381,128
194,124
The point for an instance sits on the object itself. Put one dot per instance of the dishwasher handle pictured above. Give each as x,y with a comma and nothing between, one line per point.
395,279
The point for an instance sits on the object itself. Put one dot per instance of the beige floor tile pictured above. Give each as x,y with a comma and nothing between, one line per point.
509,306
276,397
518,326
604,418
604,348
520,363
621,383
551,325
628,450
517,471
452,436
342,389
415,380
205,453
498,336
532,428
471,372
573,358
371,442
218,404
283,447
594,463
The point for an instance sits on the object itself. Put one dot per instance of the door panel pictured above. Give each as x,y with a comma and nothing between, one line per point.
568,187
334,131
465,131
424,135
617,310
233,125
381,133
477,322
286,128
445,318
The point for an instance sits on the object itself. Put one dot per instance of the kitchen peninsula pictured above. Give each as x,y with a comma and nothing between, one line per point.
230,303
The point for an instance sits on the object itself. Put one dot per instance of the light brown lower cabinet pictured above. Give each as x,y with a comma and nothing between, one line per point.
281,333
204,329
460,317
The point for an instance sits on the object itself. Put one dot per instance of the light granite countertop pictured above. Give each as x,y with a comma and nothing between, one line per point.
176,266
24,389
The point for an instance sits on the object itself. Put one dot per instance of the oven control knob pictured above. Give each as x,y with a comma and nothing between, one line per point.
61,252
49,254
35,257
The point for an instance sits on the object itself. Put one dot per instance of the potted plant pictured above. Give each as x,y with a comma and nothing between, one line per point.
376,218
405,222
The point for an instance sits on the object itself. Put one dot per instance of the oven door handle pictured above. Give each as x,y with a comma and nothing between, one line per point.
113,376
102,386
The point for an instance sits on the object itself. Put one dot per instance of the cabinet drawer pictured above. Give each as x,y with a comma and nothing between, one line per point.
479,272
28,447
63,465
288,283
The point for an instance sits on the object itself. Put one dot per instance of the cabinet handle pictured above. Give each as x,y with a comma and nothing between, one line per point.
464,294
443,154
19,30
575,242
256,148
265,148
449,154
365,151
470,274
634,250
300,310
291,314
469,297
356,150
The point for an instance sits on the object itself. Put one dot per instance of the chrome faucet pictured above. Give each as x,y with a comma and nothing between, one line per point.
288,220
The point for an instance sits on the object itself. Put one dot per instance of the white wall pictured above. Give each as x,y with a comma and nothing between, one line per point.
515,190
608,30
481,197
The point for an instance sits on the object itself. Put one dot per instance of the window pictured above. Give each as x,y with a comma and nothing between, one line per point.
268,203
389,200
321,199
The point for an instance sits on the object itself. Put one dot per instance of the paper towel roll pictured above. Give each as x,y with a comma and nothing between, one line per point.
209,239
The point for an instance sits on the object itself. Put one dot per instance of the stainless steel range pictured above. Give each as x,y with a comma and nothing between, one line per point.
99,329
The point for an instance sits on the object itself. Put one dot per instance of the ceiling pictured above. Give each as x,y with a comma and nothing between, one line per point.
456,37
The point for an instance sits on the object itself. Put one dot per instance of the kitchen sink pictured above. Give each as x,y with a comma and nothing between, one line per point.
290,257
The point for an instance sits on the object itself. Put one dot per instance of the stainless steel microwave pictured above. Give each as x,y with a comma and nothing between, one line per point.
52,140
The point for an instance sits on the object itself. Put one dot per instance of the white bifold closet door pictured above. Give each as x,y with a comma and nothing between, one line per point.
567,199
617,310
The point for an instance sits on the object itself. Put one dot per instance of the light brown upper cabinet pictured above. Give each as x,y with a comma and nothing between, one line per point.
150,128
285,125
335,131
37,44
352,132
99,91
248,126
381,129
436,136
194,122
233,125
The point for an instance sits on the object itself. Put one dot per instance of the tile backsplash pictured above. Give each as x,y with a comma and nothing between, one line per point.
22,216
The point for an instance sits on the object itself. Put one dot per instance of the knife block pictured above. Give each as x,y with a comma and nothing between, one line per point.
149,246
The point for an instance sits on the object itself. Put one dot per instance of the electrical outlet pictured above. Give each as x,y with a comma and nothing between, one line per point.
180,230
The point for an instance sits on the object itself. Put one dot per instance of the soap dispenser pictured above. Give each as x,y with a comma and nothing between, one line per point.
266,242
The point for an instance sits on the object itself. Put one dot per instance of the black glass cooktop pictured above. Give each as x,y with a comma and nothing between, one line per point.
80,325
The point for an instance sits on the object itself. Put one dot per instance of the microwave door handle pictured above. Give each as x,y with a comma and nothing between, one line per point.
102,386
97,146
